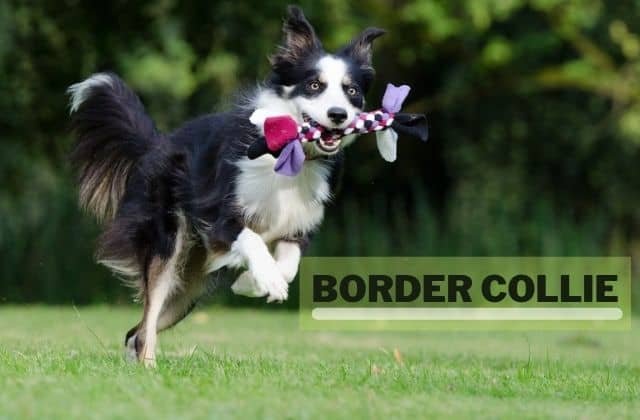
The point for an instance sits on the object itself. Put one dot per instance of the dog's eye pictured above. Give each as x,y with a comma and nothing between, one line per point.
315,85
351,91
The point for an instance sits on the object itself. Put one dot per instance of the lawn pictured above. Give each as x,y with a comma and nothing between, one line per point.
56,362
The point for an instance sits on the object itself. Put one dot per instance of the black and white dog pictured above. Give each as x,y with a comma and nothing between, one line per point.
179,206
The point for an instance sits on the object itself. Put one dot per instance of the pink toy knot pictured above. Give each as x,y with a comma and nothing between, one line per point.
278,131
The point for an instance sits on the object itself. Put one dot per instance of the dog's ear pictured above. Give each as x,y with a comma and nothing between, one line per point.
299,38
360,47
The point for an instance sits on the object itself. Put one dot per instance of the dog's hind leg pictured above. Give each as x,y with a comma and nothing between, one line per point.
193,287
161,282
174,310
130,352
181,305
177,306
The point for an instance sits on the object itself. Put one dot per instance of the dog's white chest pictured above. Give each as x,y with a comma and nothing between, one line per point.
278,206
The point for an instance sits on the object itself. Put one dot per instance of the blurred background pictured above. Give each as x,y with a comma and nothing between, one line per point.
534,111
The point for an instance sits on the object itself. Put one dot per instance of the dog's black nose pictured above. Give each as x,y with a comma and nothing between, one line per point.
336,114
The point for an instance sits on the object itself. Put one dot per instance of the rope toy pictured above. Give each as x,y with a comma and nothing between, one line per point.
283,137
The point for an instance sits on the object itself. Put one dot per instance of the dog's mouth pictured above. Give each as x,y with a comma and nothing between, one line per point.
329,142
328,146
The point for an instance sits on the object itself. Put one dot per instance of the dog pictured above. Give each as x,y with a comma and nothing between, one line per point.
177,207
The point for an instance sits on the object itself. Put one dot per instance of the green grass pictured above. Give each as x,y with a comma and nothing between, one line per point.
56,363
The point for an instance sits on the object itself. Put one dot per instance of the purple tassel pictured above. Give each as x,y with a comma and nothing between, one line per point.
291,158
394,96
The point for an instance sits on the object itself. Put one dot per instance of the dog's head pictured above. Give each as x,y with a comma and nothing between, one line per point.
322,87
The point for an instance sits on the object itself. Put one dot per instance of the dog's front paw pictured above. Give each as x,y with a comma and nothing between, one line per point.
246,285
279,292
270,279
277,287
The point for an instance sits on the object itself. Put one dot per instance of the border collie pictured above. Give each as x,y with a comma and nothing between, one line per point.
179,206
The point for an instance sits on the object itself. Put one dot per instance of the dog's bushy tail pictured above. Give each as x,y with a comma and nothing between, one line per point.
113,132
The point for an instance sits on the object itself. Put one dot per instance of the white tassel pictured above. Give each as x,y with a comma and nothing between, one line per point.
387,141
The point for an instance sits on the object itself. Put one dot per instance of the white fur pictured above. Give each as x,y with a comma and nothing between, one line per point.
280,206
157,297
333,72
126,267
246,285
261,265
268,104
164,286
79,92
287,255
227,259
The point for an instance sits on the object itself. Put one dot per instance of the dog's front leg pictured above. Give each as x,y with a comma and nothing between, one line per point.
287,255
263,268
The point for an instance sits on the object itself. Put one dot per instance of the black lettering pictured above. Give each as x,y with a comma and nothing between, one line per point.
380,284
459,284
486,288
602,288
588,288
324,288
529,288
542,290
430,287
401,293
360,287
565,290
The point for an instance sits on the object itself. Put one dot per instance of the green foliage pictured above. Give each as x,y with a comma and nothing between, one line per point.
534,108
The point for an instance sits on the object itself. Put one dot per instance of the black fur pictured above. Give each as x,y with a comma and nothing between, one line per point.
114,133
294,64
300,46
191,170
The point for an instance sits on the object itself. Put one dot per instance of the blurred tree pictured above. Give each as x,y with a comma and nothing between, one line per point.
534,109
